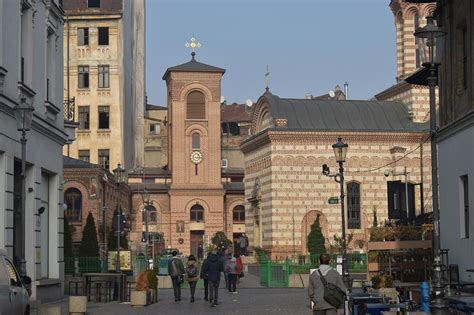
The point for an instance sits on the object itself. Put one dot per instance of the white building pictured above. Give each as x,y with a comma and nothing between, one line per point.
31,67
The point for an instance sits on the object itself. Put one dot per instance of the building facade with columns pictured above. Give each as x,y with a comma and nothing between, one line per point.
291,140
31,72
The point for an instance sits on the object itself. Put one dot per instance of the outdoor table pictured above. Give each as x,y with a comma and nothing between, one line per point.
115,277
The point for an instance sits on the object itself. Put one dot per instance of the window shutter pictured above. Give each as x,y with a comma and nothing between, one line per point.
196,106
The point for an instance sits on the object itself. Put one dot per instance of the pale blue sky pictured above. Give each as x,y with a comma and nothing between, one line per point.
309,45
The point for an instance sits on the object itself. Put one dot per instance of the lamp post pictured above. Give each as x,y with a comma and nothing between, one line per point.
430,33
23,115
119,174
340,151
146,203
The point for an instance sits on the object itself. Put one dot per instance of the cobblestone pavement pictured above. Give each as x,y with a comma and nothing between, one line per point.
247,301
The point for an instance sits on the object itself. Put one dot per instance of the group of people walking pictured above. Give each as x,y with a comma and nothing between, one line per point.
210,272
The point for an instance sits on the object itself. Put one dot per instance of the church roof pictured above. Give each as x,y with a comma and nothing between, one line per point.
235,113
338,115
75,163
193,66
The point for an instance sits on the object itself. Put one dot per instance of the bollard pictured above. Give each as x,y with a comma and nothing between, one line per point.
425,297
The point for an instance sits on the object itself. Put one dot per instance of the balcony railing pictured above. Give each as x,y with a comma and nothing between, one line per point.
69,105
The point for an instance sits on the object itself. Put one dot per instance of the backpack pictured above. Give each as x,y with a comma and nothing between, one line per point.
192,271
332,293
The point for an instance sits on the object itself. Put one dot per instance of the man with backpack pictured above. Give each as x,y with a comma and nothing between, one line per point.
176,272
192,275
326,288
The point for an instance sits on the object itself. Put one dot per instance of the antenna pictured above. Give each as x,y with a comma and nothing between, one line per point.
332,94
249,102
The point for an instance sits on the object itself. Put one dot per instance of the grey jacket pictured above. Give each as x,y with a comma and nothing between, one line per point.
316,287
175,267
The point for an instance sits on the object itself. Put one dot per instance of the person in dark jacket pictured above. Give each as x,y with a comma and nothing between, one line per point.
213,268
203,275
176,272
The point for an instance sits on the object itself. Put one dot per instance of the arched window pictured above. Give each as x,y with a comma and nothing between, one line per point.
416,22
197,213
238,214
353,205
196,141
152,215
73,200
196,106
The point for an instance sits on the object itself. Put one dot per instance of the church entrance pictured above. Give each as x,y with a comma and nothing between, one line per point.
196,238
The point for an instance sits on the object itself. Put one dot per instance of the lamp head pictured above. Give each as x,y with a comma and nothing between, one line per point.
23,114
340,150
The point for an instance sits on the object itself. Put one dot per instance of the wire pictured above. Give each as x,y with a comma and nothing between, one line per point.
393,162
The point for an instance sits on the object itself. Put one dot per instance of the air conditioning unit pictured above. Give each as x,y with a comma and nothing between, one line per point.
224,163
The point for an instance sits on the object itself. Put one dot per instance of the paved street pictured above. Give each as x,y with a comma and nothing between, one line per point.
247,301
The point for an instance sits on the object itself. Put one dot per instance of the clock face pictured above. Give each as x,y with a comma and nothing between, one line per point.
196,157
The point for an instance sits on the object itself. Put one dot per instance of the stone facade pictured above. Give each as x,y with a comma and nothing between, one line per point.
115,80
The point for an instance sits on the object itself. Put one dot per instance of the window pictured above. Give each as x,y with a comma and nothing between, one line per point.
465,207
152,216
103,117
93,3
103,36
155,129
230,128
44,223
103,77
84,155
353,205
83,36
238,214
196,141
397,200
104,158
83,77
197,213
224,163
196,106
84,118
73,199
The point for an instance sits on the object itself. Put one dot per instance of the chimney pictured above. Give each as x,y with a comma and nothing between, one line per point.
308,96
346,90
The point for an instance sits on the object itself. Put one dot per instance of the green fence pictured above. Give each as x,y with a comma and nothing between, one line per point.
79,265
275,273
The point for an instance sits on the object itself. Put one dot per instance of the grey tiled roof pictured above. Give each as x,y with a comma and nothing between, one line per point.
193,66
338,115
234,186
75,163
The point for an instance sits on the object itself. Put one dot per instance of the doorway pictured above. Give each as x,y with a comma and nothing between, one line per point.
235,239
196,239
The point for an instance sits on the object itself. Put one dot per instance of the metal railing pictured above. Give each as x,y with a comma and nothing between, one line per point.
80,265
69,109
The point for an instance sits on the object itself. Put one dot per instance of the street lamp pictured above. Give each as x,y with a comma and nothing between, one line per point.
430,34
23,115
146,203
120,176
340,151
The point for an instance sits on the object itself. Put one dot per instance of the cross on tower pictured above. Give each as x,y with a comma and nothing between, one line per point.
193,45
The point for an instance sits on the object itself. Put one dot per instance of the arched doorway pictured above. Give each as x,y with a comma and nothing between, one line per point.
306,223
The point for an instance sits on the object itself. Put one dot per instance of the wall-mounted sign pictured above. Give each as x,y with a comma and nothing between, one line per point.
125,260
333,200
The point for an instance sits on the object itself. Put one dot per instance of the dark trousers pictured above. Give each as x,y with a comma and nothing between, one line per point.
206,289
176,287
214,291
232,282
192,286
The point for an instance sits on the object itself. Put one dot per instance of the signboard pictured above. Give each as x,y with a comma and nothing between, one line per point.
333,200
125,260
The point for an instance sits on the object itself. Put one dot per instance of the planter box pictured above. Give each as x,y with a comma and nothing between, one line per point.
139,298
77,305
50,310
164,282
399,245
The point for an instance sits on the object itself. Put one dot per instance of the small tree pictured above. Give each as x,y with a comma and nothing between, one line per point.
338,244
316,239
112,238
89,244
220,239
67,239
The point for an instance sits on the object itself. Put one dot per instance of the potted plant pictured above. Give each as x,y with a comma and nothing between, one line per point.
152,277
140,296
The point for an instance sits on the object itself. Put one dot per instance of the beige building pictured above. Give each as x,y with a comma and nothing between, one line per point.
410,53
104,75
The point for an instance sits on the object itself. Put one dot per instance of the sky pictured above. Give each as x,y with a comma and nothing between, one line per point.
310,46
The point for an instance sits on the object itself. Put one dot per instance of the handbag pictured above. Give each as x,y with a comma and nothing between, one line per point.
332,293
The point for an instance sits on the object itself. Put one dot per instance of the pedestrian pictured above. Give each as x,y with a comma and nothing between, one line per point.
176,272
226,258
242,244
231,269
240,267
204,275
246,244
200,252
213,269
316,286
192,275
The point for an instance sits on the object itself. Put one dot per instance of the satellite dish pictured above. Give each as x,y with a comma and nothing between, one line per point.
249,102
222,99
332,94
